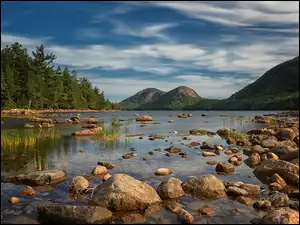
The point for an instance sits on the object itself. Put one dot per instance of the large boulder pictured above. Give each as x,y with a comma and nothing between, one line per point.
170,189
122,192
288,171
206,186
286,134
36,178
73,214
279,216
88,132
144,118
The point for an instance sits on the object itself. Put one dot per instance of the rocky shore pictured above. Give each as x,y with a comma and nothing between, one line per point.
272,153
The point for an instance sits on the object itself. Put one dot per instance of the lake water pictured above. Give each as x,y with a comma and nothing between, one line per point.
64,154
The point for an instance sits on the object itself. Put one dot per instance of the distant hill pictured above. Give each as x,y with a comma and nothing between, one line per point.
142,97
276,89
177,98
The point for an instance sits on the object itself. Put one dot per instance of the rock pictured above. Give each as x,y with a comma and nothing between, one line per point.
27,191
158,150
182,116
219,147
163,172
295,161
211,163
36,119
262,205
275,187
86,176
122,192
225,167
170,189
150,153
237,191
194,143
108,166
144,118
173,206
278,179
288,171
258,149
207,186
203,114
133,218
294,205
173,149
207,146
205,154
285,152
294,194
90,126
254,159
36,178
205,211
278,199
106,177
88,132
285,134
269,143
185,217
296,140
141,137
228,152
144,158
244,200
189,115
171,121
128,156
233,159
271,155
199,131
252,189
76,214
99,170
170,154
14,200
47,125
152,209
78,184
89,120
223,132
279,216
27,125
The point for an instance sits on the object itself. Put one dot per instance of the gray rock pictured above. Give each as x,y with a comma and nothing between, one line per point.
73,214
279,216
37,178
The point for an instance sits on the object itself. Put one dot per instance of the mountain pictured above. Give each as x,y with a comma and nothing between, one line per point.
278,88
142,97
177,98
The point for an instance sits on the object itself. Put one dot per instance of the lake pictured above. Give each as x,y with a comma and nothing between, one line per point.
64,154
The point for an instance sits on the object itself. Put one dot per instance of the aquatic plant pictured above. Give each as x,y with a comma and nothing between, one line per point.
15,137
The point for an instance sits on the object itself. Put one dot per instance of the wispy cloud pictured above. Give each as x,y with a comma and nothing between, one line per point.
88,33
148,31
238,13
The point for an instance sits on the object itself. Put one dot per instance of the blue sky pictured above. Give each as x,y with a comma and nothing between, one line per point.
216,48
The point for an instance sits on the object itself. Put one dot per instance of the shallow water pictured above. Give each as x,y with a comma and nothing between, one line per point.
64,154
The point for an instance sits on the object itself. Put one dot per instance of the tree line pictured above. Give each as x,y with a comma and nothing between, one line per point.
32,81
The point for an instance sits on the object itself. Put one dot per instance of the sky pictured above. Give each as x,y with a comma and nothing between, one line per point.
216,48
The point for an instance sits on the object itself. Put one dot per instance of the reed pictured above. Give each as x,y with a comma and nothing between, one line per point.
17,138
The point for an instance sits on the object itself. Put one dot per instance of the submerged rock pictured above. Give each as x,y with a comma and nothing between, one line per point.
28,191
78,184
144,118
73,214
99,170
122,192
88,132
198,131
36,178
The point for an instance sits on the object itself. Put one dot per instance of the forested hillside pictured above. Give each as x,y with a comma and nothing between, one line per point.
32,81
